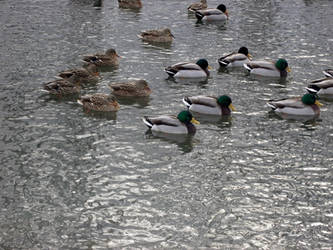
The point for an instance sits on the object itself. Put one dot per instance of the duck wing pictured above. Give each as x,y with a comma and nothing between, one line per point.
260,64
167,120
287,102
209,101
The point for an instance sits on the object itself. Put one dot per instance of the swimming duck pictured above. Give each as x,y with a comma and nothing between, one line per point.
209,105
200,69
88,74
62,87
307,105
328,72
268,68
131,88
235,59
157,36
130,4
322,87
198,6
218,14
182,124
110,58
99,102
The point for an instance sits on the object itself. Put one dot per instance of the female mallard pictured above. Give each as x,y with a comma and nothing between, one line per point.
62,87
218,14
157,36
268,68
307,105
328,72
131,88
130,4
200,69
209,105
88,74
198,6
99,102
110,58
321,87
235,59
182,124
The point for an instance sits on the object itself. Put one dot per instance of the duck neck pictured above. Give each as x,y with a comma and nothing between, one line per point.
190,128
225,110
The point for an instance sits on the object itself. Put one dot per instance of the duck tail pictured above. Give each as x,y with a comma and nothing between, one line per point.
170,71
80,102
222,62
199,15
146,121
312,89
187,101
328,72
271,105
248,67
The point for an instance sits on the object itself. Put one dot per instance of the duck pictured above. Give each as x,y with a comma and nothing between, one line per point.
235,59
209,105
200,69
218,14
63,87
279,68
157,36
183,123
321,87
89,74
131,88
306,105
328,72
99,102
198,6
110,58
130,4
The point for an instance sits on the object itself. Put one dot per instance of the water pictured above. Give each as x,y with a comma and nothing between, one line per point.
75,180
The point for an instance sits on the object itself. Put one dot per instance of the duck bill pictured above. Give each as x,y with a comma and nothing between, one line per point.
288,69
209,67
249,56
318,103
194,121
118,56
97,73
227,14
172,36
232,107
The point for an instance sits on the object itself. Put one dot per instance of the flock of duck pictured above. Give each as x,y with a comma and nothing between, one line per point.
71,81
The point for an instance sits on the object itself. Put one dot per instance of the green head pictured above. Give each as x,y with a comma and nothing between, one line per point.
281,64
203,63
224,100
309,99
243,50
186,117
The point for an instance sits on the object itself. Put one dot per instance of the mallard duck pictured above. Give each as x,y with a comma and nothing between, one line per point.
130,4
328,72
268,68
209,105
198,6
157,36
62,87
131,88
88,74
321,86
99,102
110,58
235,59
200,69
182,124
218,14
307,105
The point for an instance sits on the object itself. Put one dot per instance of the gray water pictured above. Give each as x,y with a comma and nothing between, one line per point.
76,180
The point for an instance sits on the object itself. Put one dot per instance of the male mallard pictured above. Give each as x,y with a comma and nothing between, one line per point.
110,58
88,74
321,86
209,105
235,59
130,4
328,72
131,88
198,6
189,70
63,87
268,68
182,124
307,105
157,36
99,102
218,14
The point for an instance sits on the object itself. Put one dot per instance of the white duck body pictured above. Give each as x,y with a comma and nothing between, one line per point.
204,104
166,124
186,70
212,15
234,60
262,68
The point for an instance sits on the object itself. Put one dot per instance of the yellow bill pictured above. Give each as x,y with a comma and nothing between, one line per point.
232,107
195,121
318,103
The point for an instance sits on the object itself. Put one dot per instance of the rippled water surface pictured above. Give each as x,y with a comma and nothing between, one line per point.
76,180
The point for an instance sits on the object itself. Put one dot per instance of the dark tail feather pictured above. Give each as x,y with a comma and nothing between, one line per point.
147,122
199,15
